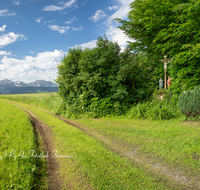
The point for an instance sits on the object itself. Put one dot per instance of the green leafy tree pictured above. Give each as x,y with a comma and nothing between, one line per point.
161,27
102,73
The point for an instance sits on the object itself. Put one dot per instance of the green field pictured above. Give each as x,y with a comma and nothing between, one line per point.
17,139
119,152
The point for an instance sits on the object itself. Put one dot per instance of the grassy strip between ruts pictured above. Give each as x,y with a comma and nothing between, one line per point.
19,169
85,163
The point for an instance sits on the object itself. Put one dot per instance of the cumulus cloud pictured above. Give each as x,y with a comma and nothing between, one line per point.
113,33
6,13
79,28
2,29
99,14
60,29
90,44
59,8
70,21
16,2
5,53
29,69
9,38
114,7
38,20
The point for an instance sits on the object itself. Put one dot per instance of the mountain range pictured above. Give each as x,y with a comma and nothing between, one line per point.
10,87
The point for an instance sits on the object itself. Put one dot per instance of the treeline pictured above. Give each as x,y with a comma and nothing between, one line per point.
105,80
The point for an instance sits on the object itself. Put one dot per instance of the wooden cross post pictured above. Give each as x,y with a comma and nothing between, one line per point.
165,68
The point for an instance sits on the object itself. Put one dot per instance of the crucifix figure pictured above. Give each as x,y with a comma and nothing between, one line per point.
165,68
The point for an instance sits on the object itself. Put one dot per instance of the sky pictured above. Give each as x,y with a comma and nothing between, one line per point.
35,35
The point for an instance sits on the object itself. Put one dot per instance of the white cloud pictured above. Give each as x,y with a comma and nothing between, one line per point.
113,33
5,53
29,69
70,20
60,29
50,21
90,44
16,2
38,20
9,38
114,7
59,8
6,13
31,52
99,14
79,28
2,29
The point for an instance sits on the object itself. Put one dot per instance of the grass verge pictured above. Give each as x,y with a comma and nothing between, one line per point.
19,170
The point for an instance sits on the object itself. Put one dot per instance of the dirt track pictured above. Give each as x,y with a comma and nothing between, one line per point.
174,176
52,165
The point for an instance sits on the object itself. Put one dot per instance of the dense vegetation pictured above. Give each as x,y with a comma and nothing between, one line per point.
104,80
167,27
189,102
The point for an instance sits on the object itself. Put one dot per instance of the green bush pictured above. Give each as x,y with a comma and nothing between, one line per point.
189,102
156,109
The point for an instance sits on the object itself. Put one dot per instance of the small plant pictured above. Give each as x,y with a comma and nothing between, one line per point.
189,102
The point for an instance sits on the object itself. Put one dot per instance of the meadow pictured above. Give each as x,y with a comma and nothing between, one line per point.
121,152
19,169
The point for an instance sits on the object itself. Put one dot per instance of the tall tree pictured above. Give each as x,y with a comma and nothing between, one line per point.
169,27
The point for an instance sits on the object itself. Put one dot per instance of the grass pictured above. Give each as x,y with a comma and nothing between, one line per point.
48,101
89,164
18,169
172,143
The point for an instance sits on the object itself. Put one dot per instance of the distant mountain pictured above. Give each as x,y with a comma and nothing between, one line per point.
42,83
9,87
6,84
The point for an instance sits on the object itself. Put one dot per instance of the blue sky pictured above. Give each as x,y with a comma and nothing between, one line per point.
36,34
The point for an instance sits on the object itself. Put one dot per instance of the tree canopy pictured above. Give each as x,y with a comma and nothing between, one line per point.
101,73
169,27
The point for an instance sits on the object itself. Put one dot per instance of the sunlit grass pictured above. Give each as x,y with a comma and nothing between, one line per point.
90,164
19,169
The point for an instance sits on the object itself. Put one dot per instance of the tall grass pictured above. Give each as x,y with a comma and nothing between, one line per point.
48,101
17,138
156,109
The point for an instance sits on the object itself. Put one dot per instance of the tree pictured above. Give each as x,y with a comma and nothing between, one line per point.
101,73
169,27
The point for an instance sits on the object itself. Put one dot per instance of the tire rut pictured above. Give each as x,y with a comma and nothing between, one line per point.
52,164
168,174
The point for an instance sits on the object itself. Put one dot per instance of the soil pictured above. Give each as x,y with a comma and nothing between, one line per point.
45,131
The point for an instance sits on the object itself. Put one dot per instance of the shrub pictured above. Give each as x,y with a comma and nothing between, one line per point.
189,102
156,109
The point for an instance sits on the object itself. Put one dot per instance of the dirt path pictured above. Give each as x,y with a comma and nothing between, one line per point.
52,164
168,174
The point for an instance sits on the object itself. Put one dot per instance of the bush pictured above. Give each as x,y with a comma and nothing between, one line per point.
189,102
156,109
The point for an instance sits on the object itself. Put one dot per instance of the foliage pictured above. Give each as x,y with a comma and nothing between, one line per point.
91,78
168,27
156,109
189,102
